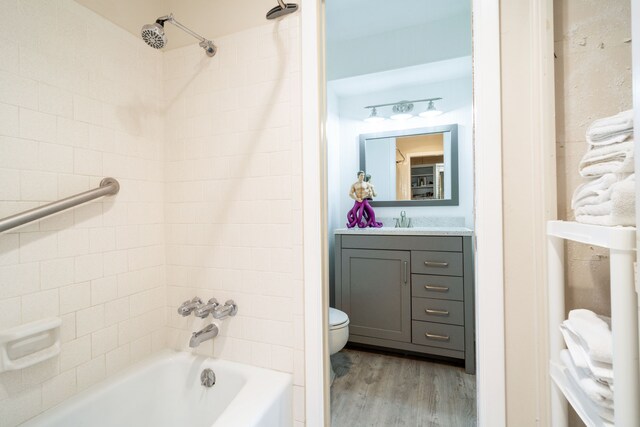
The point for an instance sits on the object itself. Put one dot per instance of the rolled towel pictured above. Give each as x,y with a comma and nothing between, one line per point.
611,130
620,210
600,371
612,158
599,393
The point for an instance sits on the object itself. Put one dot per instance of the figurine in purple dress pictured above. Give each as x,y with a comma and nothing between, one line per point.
362,214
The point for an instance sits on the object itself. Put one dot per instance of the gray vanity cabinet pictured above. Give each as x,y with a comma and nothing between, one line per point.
408,292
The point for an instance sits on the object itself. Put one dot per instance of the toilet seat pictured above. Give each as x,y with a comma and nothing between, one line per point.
337,319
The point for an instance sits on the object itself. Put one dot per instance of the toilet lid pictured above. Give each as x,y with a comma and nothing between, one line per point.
337,317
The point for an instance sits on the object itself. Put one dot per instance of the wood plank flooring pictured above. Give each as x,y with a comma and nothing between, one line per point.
375,389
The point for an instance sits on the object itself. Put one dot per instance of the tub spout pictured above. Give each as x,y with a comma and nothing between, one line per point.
207,333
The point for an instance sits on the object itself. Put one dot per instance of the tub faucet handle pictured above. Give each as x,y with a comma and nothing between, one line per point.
204,310
188,306
229,308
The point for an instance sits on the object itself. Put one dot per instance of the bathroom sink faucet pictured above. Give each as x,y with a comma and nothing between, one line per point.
188,306
403,221
206,333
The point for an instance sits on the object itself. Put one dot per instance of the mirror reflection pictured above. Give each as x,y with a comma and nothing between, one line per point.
415,165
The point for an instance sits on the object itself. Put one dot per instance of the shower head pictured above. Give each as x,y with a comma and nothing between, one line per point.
154,36
282,9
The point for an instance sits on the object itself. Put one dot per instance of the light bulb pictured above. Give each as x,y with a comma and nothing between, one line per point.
373,117
431,111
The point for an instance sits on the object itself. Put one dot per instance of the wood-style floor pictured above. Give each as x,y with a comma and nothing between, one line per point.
374,389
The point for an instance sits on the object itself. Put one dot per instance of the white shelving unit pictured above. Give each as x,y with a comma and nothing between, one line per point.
624,322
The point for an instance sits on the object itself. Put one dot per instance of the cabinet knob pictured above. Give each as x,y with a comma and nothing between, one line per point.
437,337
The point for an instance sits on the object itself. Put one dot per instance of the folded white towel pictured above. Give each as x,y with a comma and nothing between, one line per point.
598,370
594,331
620,210
595,191
612,158
597,209
599,393
614,139
604,131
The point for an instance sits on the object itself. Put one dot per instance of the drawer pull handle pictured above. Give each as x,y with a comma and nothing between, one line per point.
437,312
436,288
437,337
436,264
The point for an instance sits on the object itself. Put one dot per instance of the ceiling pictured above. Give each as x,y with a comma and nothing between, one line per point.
348,19
209,18
215,18
432,72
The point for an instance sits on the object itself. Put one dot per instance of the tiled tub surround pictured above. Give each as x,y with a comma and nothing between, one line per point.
215,174
79,101
234,196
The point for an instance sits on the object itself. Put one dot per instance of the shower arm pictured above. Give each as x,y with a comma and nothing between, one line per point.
171,19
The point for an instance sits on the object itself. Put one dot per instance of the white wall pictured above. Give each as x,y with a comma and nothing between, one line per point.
234,196
335,219
456,104
75,108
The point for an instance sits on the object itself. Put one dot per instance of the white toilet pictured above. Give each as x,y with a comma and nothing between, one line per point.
338,332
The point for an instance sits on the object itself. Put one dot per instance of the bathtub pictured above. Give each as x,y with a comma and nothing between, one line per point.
165,391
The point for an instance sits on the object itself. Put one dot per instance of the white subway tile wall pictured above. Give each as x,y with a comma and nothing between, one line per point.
208,154
234,196
79,100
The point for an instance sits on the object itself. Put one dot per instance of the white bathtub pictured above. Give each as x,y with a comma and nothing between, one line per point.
165,391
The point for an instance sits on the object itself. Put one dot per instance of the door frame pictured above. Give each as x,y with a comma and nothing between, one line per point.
490,331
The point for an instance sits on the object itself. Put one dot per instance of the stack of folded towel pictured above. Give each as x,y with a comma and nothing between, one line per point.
608,198
589,358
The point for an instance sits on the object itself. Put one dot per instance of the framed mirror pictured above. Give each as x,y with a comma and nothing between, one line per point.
412,167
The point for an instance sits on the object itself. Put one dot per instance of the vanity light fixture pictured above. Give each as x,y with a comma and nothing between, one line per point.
402,110
374,117
431,110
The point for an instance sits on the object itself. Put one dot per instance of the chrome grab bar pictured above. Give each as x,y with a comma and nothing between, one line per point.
108,186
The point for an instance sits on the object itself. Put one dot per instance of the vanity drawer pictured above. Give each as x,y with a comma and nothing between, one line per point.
436,263
438,335
437,287
437,311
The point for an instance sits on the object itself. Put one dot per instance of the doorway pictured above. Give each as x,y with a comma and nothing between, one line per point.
488,217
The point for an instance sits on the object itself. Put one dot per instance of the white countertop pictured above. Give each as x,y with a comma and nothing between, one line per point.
414,231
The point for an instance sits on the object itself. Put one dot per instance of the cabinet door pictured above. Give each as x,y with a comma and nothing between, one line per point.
376,293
